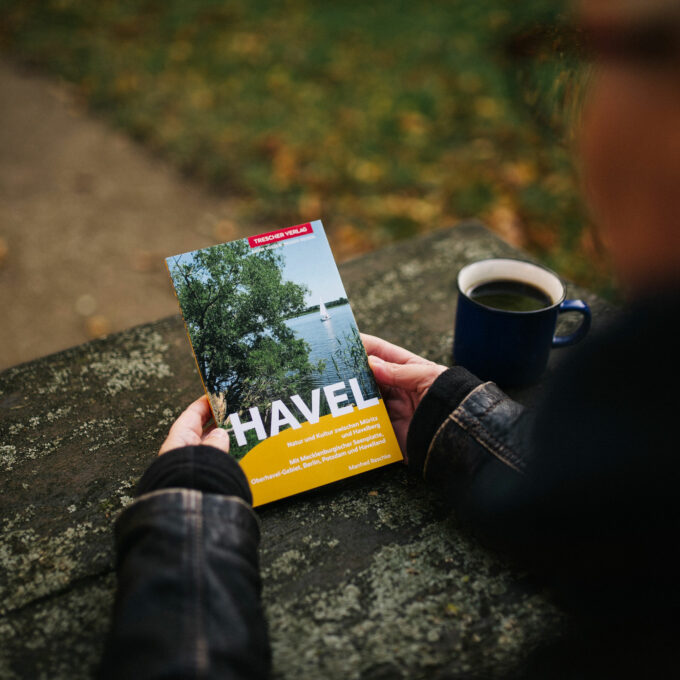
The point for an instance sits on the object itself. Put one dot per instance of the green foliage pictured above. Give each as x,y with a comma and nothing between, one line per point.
349,359
234,303
236,451
386,118
333,303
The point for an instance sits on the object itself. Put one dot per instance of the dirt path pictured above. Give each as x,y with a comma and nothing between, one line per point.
86,218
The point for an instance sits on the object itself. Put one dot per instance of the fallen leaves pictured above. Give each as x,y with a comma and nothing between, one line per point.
505,221
348,241
284,166
488,107
520,173
97,326
224,230
385,123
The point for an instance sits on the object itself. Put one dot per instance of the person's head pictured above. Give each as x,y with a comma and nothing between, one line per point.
630,136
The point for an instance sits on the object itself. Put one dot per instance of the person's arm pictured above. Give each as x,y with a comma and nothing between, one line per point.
472,441
188,596
463,435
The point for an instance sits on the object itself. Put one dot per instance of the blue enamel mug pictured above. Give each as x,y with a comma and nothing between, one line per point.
507,346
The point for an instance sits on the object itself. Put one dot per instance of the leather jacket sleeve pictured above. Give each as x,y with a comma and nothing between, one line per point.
469,438
188,597
581,491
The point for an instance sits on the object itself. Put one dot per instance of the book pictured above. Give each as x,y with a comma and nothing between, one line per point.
281,360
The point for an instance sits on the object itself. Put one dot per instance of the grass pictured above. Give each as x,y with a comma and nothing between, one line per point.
387,119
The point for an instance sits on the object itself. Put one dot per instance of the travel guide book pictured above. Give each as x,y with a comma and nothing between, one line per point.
281,360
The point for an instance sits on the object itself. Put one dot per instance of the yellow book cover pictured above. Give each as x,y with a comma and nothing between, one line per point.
281,360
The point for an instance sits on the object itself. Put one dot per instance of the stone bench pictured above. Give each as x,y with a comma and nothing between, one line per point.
367,577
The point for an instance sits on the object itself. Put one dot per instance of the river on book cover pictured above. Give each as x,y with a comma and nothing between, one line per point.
271,324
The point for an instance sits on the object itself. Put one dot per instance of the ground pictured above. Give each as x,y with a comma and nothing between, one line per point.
429,134
86,219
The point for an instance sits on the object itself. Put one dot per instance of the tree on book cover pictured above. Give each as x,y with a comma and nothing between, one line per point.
273,335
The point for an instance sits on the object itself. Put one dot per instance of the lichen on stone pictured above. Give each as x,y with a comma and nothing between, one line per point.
8,457
125,369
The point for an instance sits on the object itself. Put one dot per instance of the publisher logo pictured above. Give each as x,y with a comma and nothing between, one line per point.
279,235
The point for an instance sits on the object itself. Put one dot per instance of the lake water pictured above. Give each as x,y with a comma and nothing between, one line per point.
322,337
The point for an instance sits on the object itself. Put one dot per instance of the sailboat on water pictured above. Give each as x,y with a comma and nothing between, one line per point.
325,316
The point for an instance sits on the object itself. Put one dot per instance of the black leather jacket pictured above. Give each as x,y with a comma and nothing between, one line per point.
583,489
584,493
188,598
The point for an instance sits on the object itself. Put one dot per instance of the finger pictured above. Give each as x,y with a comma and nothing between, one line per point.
194,417
415,377
387,351
218,438
178,438
390,393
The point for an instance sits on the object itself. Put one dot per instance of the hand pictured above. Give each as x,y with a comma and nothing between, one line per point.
190,429
403,377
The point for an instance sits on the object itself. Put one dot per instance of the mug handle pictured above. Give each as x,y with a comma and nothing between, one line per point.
581,308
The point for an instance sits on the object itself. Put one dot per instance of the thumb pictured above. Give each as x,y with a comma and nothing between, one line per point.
415,377
218,438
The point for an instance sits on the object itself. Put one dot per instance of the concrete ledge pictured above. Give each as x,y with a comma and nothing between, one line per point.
364,578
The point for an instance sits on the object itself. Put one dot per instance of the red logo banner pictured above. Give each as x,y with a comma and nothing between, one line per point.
279,235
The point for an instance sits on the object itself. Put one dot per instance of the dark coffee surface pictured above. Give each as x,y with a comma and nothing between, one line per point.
511,296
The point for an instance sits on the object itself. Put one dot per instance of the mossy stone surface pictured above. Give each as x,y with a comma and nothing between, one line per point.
365,578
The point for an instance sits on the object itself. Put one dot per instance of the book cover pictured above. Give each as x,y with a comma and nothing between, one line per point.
281,360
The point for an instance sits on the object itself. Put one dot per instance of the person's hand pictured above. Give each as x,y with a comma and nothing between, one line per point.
403,377
190,429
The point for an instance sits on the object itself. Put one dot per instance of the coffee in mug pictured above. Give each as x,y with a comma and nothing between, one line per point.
513,296
506,317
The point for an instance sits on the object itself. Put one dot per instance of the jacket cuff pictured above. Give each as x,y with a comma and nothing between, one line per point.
444,396
167,510
202,468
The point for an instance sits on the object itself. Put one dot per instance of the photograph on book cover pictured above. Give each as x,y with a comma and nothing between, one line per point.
281,360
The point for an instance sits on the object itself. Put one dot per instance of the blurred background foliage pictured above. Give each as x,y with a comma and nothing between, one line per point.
386,119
